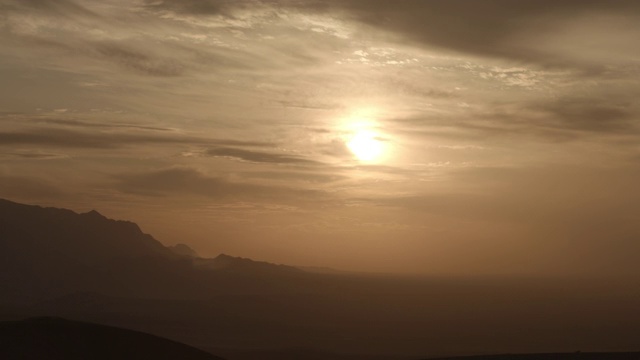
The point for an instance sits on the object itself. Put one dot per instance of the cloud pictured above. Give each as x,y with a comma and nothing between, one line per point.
556,209
144,62
35,155
557,119
258,156
87,124
310,177
496,28
76,139
20,187
561,119
522,31
72,133
129,55
63,8
97,34
190,181
588,114
198,7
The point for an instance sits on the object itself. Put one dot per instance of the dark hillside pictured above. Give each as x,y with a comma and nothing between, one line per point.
557,356
59,339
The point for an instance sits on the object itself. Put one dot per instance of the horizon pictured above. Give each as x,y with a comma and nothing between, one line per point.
355,272
455,138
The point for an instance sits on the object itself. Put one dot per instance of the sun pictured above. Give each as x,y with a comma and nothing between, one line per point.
364,136
366,145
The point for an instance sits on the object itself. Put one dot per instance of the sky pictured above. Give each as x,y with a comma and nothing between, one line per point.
433,137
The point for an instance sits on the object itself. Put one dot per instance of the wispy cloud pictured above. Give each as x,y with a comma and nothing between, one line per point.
88,124
183,181
589,114
73,133
195,7
35,155
24,187
497,28
75,139
258,156
143,62
327,176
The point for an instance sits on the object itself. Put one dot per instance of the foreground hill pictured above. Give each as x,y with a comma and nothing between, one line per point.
59,339
556,356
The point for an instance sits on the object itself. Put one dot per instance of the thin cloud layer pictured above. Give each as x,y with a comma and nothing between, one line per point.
28,188
175,181
499,28
205,7
259,157
63,138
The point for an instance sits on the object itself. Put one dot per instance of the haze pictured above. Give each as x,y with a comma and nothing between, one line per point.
431,137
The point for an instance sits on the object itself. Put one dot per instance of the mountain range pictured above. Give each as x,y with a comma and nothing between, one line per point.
49,252
86,267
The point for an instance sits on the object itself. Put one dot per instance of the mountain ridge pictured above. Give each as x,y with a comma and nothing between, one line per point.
241,264
47,252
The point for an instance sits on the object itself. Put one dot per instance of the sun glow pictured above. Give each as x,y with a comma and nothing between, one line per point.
364,136
365,145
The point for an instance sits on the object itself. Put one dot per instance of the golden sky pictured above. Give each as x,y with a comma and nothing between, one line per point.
458,136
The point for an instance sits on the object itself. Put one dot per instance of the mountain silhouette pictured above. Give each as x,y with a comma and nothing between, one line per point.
184,250
89,236
49,252
50,338
224,262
